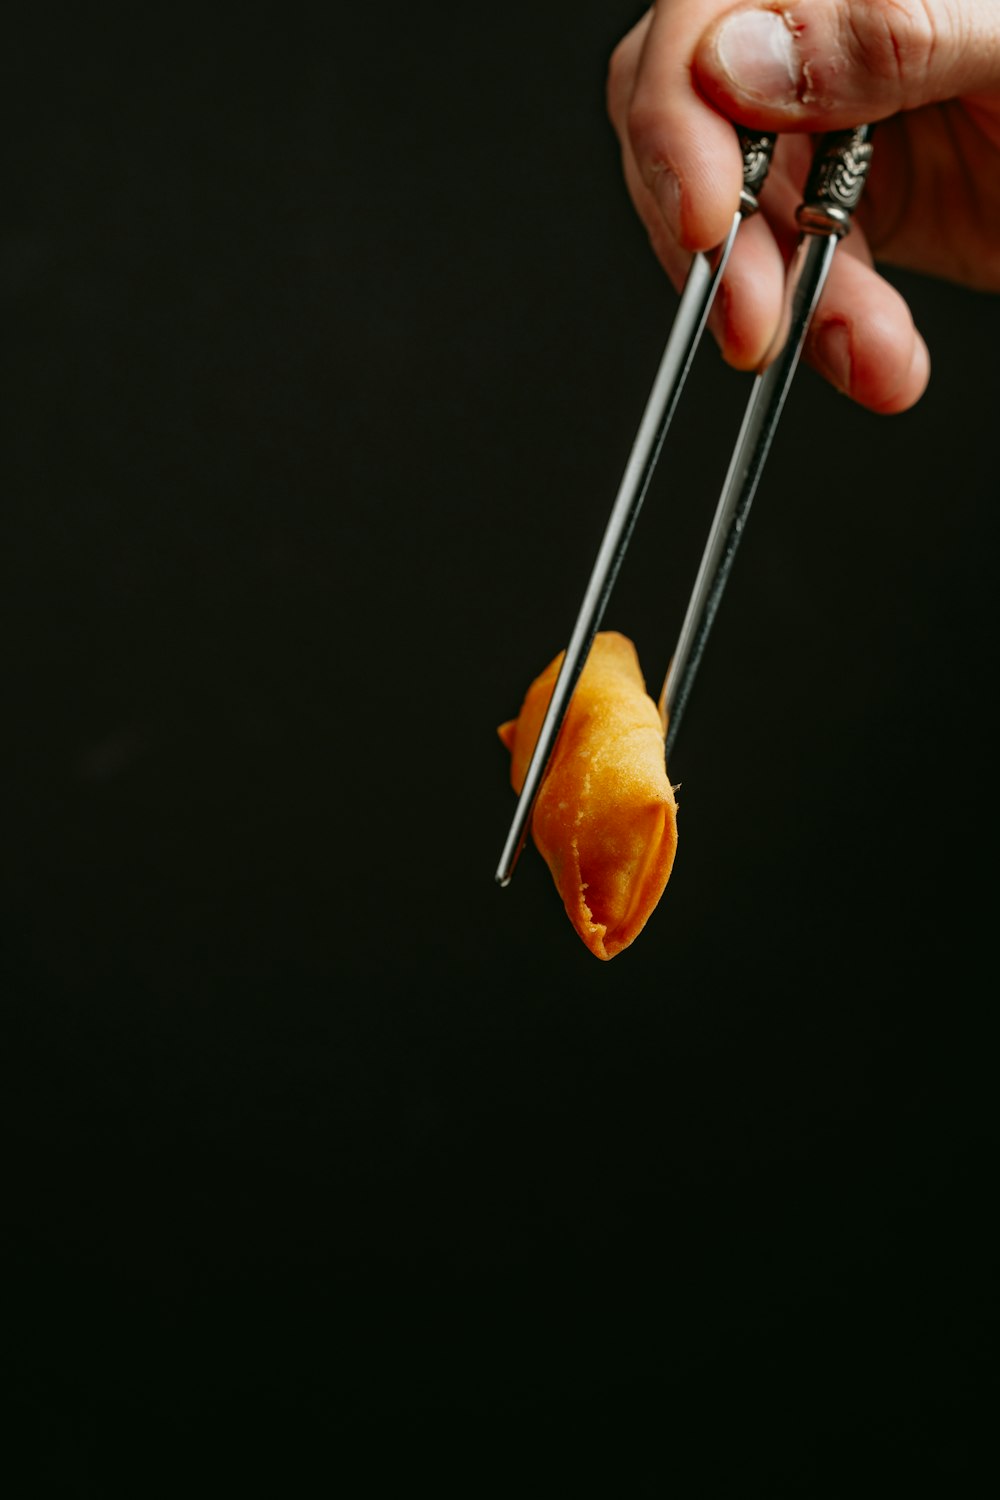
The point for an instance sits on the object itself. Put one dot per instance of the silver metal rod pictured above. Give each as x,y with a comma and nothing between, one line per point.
689,323
833,189
807,274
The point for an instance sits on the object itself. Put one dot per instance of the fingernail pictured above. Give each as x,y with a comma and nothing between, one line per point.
667,192
758,53
832,353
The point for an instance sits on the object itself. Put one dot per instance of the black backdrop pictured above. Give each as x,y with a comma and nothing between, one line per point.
325,342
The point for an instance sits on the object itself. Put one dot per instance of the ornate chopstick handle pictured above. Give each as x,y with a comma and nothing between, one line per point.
757,147
836,181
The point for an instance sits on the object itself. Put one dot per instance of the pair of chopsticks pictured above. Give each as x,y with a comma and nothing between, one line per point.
834,186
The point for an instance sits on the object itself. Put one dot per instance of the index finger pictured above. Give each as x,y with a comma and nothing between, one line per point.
685,151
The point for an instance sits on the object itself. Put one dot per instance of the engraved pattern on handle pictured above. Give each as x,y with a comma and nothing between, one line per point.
757,147
836,181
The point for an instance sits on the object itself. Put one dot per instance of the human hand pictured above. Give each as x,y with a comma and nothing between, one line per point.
926,71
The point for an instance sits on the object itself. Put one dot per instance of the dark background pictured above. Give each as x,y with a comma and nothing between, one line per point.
325,342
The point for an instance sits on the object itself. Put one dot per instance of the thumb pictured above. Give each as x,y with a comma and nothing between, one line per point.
827,64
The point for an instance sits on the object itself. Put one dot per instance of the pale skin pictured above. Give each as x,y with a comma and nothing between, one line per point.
926,72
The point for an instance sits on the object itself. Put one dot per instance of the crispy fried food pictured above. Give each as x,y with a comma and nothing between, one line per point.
605,819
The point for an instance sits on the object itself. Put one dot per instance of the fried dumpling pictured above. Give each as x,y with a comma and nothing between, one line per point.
605,818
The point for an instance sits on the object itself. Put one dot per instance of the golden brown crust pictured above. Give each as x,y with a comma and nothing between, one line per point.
605,819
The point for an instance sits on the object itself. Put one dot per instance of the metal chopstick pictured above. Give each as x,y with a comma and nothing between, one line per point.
836,180
695,304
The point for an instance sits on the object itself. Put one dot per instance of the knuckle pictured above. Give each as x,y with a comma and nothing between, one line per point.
896,40
644,127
